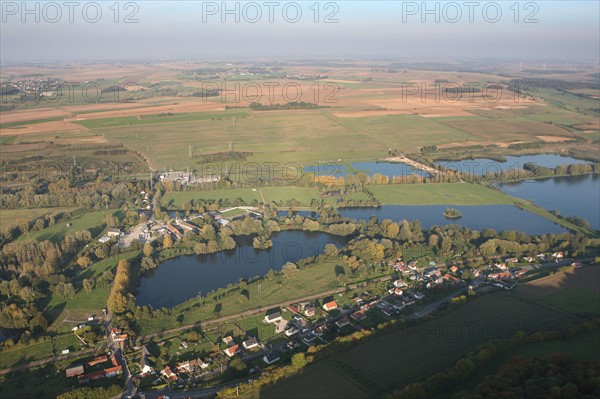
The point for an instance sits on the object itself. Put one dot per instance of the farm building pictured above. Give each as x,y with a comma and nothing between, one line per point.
74,370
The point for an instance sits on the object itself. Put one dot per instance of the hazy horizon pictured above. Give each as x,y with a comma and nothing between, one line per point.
381,29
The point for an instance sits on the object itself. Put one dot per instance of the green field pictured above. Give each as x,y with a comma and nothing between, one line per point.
303,195
29,122
438,194
41,350
9,217
415,352
402,194
92,221
7,139
574,300
156,119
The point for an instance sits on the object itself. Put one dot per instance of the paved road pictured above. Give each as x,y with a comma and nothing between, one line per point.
129,389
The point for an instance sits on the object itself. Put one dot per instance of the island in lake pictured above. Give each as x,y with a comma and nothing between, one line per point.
452,213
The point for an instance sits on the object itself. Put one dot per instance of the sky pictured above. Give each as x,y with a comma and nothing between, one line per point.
150,30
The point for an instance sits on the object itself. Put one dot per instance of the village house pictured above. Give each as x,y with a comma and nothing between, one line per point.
308,338
512,260
433,273
499,276
228,340
453,269
291,330
330,306
112,232
418,295
412,265
357,300
402,269
271,358
520,272
232,350
342,322
74,371
168,373
202,363
185,366
145,366
273,318
120,337
320,330
250,343
501,265
358,315
450,279
558,255
395,291
309,310
400,284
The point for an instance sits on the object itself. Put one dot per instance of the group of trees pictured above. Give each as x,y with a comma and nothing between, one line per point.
117,299
98,194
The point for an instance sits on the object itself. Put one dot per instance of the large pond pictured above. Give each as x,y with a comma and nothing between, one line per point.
186,276
369,168
482,166
571,196
476,217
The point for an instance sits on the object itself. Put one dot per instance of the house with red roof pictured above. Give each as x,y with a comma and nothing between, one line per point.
330,305
232,350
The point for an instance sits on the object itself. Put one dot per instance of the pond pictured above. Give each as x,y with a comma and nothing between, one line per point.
179,279
570,195
481,166
475,217
369,168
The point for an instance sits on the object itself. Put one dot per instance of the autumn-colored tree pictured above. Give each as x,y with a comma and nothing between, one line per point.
83,261
167,242
87,286
393,229
148,249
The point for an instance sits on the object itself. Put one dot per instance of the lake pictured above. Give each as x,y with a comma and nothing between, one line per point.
369,168
570,195
475,217
481,166
179,279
